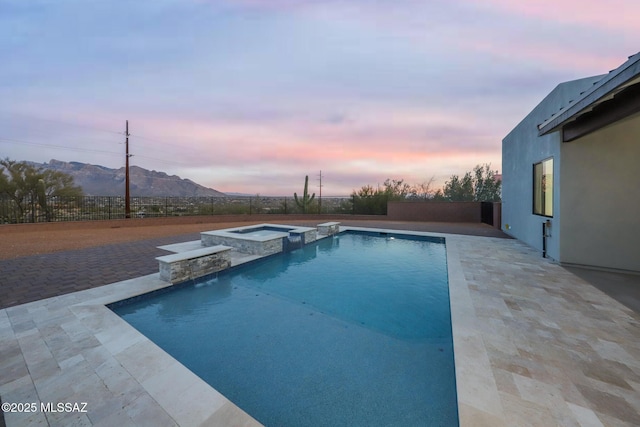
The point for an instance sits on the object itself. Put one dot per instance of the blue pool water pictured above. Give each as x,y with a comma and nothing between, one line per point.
352,330
264,230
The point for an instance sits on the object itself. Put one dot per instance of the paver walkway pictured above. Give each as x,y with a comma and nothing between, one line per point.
36,277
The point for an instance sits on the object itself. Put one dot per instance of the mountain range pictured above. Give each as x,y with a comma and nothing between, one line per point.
98,180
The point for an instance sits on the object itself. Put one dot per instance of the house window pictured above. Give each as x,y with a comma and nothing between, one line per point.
543,188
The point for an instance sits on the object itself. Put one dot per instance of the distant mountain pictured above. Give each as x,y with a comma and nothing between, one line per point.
101,181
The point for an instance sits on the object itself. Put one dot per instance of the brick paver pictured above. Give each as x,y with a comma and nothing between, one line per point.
36,277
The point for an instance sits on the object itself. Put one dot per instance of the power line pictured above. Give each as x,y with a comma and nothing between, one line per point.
151,139
155,148
137,136
78,125
59,147
89,150
168,162
62,147
63,123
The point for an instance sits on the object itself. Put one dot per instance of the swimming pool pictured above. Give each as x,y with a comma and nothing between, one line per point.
350,330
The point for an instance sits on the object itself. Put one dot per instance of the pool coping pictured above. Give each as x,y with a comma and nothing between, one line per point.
72,348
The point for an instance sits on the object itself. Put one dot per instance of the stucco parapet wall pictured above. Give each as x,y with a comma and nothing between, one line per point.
176,268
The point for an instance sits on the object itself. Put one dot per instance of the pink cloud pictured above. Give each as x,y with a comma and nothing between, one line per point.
414,145
399,139
363,145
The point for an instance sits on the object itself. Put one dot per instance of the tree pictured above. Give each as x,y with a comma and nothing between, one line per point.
396,189
15,179
372,201
487,188
480,185
477,185
22,183
60,184
369,201
459,189
424,190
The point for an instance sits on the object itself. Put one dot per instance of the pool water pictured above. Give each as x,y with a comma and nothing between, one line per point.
262,231
259,233
351,330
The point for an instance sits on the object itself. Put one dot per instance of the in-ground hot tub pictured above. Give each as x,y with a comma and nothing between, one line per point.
261,239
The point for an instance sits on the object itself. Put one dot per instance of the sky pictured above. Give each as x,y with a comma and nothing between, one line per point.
251,96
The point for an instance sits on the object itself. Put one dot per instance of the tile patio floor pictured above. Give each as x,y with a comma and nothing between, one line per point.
535,345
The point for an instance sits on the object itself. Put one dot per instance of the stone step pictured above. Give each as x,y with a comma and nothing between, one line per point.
329,228
183,266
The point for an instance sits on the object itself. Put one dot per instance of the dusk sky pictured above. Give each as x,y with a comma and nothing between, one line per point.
252,95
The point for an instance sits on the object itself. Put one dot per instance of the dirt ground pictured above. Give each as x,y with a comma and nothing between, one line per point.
33,239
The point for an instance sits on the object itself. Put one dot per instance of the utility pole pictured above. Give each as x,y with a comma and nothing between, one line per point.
320,199
127,201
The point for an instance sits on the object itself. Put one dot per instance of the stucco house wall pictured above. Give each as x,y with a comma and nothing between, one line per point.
600,202
521,149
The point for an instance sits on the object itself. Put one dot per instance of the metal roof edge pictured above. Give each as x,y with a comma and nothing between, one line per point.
625,72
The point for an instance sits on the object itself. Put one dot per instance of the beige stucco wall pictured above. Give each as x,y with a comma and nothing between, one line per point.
600,198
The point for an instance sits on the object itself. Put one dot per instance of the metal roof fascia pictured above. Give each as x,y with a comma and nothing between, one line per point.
618,77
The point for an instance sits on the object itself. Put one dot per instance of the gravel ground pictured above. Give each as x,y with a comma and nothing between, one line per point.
37,242
36,239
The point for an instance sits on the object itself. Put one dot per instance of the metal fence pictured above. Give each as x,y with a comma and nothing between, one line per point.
85,208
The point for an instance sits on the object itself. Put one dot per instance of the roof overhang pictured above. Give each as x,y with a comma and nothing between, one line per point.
612,98
624,103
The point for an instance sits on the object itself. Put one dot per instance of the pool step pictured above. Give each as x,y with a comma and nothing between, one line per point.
182,247
329,228
212,253
183,266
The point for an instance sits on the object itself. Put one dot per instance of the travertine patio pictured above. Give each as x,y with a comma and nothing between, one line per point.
534,345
